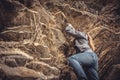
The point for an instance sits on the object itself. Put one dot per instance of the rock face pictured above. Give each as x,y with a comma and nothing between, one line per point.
34,45
115,70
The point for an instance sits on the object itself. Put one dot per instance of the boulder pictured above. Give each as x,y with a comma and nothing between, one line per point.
20,72
114,73
43,67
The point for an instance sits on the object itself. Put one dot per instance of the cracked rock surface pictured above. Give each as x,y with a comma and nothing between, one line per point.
34,45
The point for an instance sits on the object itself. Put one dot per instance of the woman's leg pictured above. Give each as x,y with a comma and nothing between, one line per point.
77,68
78,60
92,71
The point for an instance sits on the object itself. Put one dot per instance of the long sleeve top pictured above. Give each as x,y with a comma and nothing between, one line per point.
81,39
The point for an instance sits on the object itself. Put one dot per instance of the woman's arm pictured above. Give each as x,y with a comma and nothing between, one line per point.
91,42
77,34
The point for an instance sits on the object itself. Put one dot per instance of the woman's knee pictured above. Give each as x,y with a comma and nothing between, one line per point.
73,57
70,59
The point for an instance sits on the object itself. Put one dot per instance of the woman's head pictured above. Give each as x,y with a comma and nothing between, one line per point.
80,29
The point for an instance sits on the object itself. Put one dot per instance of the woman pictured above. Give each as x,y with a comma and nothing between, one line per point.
85,62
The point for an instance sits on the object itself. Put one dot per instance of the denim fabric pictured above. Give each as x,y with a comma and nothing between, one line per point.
90,62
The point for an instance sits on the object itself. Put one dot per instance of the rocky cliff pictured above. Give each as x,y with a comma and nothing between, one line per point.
34,45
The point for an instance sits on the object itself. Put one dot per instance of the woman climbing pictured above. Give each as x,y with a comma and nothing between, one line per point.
85,61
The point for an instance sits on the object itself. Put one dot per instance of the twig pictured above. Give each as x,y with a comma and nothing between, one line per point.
31,10
103,28
110,30
35,33
60,12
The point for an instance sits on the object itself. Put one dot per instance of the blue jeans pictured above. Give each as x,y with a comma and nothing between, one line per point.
88,61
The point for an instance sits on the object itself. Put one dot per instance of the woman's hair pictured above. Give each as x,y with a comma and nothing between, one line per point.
80,29
91,42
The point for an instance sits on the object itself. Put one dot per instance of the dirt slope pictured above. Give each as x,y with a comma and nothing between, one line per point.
34,45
